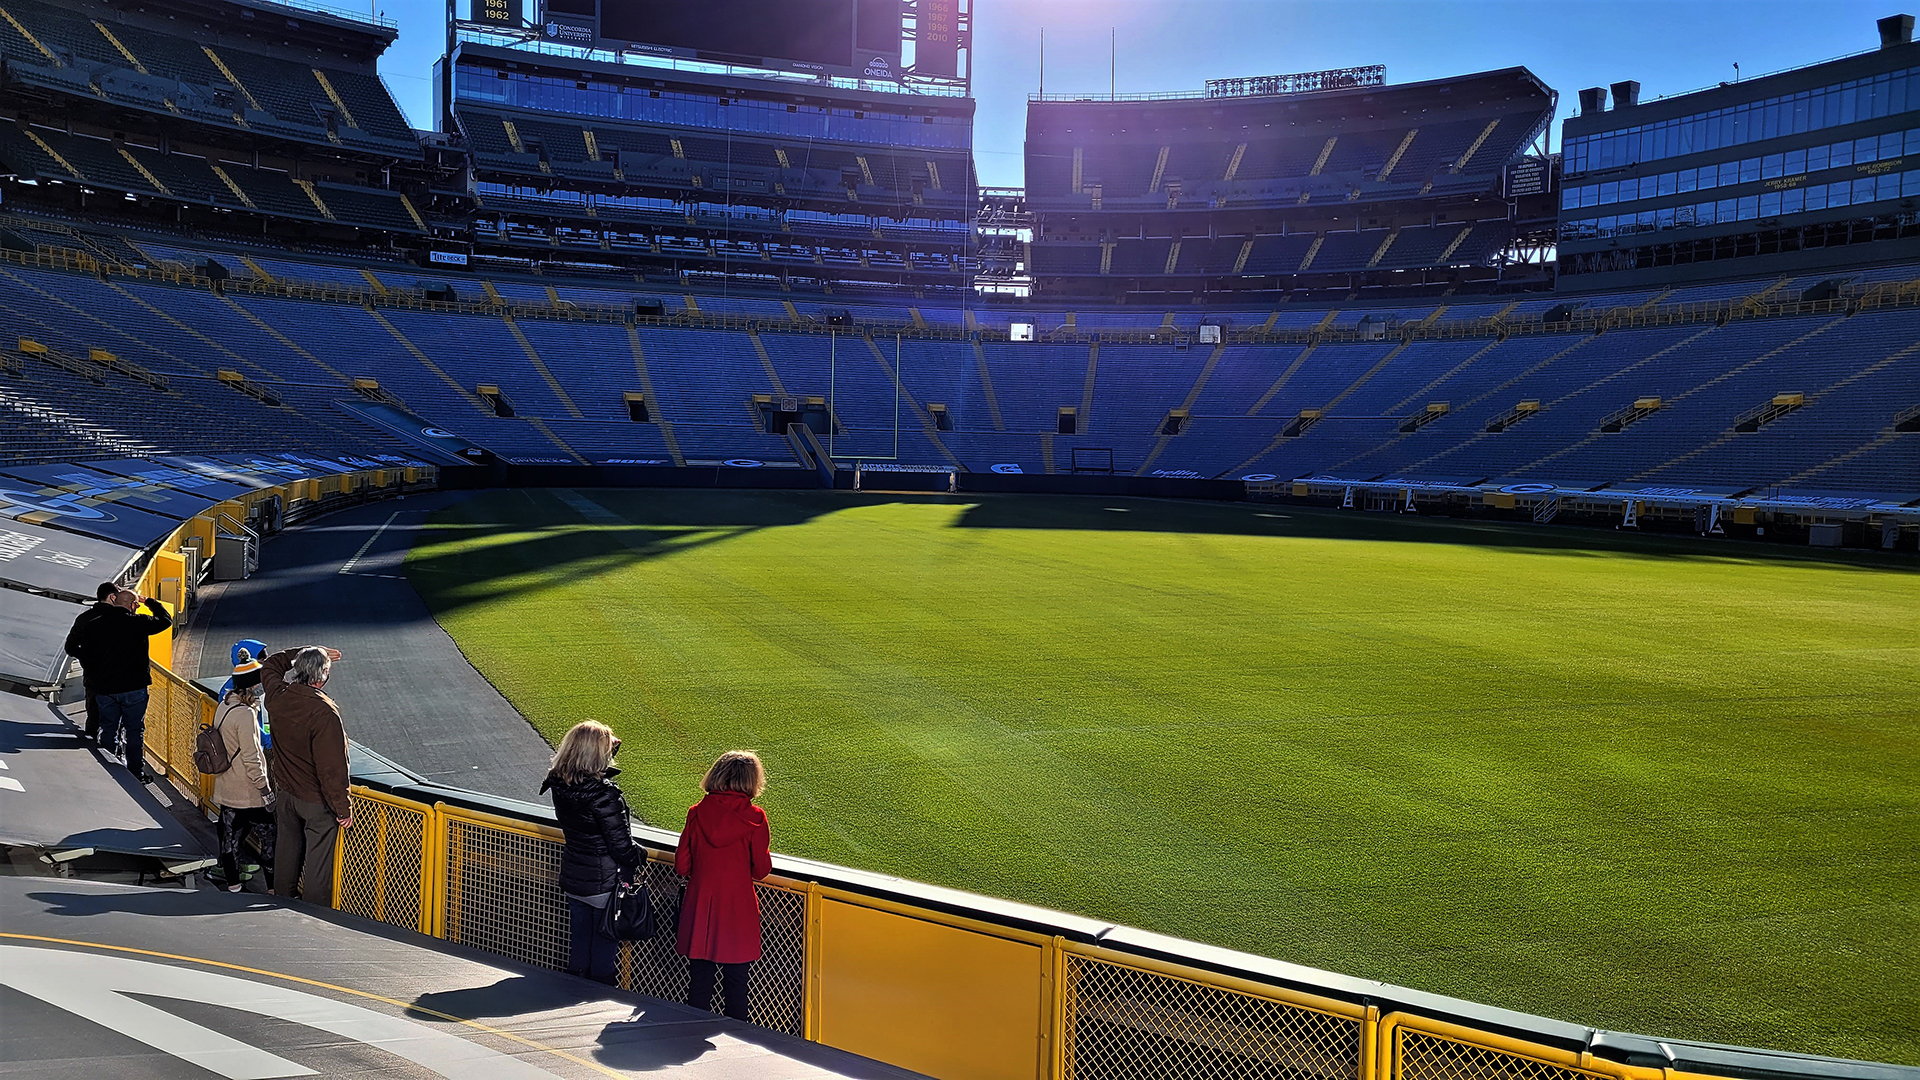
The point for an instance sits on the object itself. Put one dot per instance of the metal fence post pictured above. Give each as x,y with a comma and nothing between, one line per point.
810,959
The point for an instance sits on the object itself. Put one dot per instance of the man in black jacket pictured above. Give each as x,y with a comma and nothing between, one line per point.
113,646
103,597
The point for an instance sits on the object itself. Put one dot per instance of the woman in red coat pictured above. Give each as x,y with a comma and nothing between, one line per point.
723,851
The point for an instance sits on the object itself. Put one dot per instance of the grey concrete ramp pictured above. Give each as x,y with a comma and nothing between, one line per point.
102,980
57,794
404,687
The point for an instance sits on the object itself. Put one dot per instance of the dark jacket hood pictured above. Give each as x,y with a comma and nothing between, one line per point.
553,780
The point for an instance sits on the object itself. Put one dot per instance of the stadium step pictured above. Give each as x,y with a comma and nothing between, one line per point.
1434,411
420,222
1392,354
232,79
1907,420
1620,419
1761,415
245,199
326,87
986,385
766,362
52,58
290,344
1314,248
142,170
541,426
927,428
1177,418
1897,356
1300,424
255,269
1458,239
130,369
1281,382
1326,152
30,347
646,385
1801,479
215,346
1159,169
1473,149
1525,410
539,365
1084,418
313,196
1385,245
374,392
252,389
427,362
1398,151
52,153
1233,163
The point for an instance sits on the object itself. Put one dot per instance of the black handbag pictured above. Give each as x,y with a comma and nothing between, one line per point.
628,915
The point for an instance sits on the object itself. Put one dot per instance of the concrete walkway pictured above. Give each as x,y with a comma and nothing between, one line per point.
404,687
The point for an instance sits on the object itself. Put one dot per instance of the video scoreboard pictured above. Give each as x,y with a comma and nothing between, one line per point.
859,39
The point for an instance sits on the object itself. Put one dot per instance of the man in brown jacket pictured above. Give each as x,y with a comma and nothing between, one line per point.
309,770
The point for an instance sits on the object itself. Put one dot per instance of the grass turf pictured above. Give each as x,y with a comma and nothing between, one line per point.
1659,786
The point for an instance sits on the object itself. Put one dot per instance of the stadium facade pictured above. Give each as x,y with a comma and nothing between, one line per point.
1813,168
236,288
617,253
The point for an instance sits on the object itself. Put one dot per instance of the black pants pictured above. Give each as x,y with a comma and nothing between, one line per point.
733,986
591,953
93,718
235,824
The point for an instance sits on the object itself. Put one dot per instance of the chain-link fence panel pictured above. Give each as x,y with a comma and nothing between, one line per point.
1420,1055
776,986
384,861
175,709
1127,1023
500,891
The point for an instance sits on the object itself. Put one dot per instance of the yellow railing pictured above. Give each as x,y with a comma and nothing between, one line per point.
175,710
937,988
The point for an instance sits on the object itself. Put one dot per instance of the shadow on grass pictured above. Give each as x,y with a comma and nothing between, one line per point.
516,543
510,544
1107,514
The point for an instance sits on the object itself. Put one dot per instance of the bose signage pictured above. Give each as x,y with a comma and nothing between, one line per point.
447,258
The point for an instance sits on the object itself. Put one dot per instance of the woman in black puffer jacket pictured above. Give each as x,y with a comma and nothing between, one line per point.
593,815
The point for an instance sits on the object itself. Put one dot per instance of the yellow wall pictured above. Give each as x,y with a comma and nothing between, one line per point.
160,645
936,999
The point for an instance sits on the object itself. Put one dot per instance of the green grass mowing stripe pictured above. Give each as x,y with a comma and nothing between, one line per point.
1644,784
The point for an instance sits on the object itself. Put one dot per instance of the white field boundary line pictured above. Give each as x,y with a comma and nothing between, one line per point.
347,567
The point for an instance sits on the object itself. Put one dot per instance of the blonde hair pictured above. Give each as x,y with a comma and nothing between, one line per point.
738,771
584,753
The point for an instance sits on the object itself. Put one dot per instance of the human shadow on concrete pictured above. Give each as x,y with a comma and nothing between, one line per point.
164,903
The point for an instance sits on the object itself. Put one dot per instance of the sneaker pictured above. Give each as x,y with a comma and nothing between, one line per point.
233,888
249,869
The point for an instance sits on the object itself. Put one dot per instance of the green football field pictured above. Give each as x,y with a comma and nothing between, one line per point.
1670,787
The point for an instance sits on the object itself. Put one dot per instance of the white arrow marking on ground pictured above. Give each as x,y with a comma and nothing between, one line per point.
94,987
10,784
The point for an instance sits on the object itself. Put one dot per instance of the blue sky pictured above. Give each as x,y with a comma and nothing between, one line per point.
1671,46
